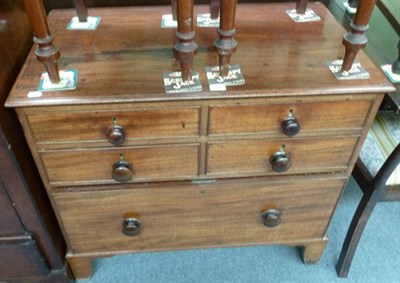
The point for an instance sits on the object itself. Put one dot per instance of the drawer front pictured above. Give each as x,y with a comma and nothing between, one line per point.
312,117
94,125
197,216
77,167
252,157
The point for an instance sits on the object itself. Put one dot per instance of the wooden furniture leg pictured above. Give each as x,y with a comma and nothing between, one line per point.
214,8
362,214
311,253
46,52
356,39
81,266
301,6
186,48
81,10
173,9
226,44
374,191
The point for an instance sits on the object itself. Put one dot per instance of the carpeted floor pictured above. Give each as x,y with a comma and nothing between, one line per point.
377,258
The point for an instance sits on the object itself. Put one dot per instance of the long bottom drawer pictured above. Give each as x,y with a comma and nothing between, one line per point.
189,216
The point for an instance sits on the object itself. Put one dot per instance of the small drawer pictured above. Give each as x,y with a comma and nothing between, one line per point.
311,117
97,126
98,166
190,216
253,156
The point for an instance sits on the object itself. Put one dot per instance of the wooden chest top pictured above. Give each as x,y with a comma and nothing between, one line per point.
124,59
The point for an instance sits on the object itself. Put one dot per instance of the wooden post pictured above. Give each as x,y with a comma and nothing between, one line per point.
81,10
46,52
301,6
214,8
226,44
356,39
173,9
186,48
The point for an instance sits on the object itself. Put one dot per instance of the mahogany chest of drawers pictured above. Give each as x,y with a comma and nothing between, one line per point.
129,168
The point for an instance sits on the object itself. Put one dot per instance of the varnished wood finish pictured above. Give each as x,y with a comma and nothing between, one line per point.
186,48
32,248
356,39
214,8
46,52
297,63
223,213
50,127
95,166
81,10
301,6
201,160
8,224
173,9
226,45
252,157
22,251
82,266
313,116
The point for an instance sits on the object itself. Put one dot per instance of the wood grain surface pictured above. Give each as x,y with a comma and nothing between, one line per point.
123,60
197,215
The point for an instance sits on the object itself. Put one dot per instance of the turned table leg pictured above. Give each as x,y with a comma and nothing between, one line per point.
214,8
226,44
356,39
186,48
301,6
81,266
81,10
173,9
46,52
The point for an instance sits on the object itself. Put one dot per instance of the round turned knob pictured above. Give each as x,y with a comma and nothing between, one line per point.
131,227
116,133
271,217
280,161
122,170
290,126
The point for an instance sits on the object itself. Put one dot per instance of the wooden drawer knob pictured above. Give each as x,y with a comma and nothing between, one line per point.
280,161
122,170
116,133
290,126
131,227
271,217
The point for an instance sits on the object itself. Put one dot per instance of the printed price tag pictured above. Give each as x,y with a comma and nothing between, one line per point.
167,21
357,72
91,24
35,94
173,83
215,81
308,16
69,79
205,21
